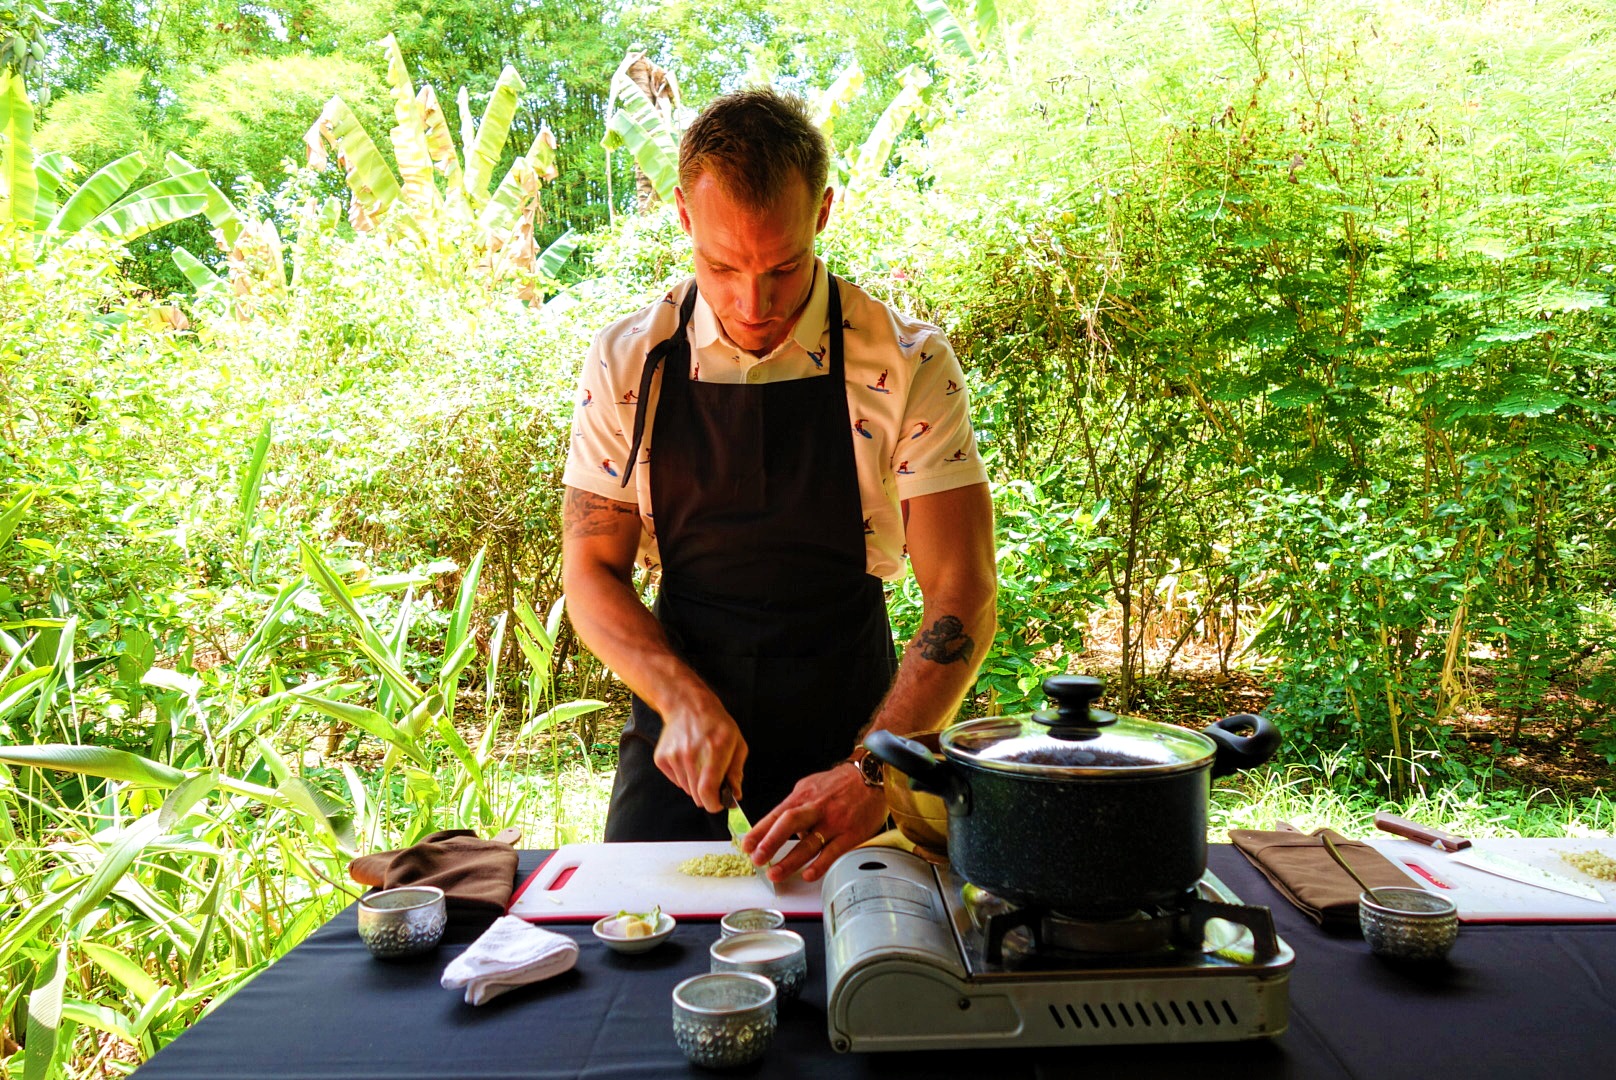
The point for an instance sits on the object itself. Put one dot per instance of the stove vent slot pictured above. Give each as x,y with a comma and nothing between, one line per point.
1120,1015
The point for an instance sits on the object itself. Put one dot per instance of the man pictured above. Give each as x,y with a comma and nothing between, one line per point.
775,440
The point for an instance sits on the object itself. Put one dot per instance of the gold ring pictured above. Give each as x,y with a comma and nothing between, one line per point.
817,835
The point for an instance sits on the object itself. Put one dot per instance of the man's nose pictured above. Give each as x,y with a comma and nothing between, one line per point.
754,299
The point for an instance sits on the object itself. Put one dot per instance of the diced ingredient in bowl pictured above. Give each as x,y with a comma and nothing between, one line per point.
631,924
717,866
1594,863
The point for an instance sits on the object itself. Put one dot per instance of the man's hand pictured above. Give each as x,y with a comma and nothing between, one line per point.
701,747
832,811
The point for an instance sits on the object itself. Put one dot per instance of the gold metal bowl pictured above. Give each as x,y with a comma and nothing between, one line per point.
921,818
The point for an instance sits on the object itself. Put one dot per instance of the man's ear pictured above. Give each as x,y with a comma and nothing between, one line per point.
824,209
684,211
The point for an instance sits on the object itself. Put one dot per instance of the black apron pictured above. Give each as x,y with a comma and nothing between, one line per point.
764,588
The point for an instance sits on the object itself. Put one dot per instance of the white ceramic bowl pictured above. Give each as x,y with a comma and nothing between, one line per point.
665,926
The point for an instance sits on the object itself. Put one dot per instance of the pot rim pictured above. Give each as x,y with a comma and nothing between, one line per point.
1113,773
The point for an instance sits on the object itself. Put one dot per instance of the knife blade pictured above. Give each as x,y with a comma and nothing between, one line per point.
1505,867
739,827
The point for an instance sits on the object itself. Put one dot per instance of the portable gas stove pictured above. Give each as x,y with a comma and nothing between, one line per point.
916,958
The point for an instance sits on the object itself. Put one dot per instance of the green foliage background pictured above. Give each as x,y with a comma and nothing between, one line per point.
1289,330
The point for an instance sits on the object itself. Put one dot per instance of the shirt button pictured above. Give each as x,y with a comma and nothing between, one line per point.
754,375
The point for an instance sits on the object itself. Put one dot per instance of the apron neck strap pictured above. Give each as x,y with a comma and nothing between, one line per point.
658,353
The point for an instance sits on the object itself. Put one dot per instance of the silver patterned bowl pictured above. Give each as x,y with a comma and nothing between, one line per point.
402,922
1408,924
724,1019
781,956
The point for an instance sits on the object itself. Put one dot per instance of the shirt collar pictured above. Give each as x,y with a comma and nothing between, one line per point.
705,329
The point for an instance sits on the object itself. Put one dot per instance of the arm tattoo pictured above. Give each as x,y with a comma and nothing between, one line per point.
946,641
587,514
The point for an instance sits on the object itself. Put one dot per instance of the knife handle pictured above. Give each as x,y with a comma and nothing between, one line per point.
1424,833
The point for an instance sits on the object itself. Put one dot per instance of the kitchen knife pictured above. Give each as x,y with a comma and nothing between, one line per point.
739,827
1425,834
1525,873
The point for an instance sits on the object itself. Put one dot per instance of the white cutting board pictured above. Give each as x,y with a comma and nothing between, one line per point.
1484,897
582,882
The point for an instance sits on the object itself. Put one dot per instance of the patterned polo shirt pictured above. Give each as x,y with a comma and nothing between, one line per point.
907,403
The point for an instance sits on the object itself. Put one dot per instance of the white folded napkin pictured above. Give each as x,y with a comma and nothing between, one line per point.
511,953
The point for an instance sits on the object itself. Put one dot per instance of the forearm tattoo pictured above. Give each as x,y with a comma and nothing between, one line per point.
587,514
946,641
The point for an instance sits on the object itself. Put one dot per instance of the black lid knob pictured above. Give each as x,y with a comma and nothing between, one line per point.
1074,695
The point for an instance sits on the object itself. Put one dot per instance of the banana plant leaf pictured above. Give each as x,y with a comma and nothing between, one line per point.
946,27
409,133
483,155
652,157
832,102
439,139
104,187
560,249
130,221
19,187
196,271
220,211
873,155
369,176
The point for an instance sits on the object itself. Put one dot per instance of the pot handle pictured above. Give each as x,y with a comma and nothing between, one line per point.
925,771
1243,741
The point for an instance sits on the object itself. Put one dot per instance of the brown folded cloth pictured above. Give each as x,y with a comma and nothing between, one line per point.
476,876
1297,865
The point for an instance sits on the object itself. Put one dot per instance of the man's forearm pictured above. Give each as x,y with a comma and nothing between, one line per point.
939,666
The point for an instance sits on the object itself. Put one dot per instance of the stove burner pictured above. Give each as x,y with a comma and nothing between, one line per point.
1038,933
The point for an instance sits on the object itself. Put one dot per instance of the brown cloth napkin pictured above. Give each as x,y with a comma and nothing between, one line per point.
476,876
1297,865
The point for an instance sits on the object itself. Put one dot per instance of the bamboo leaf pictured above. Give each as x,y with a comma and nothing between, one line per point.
368,720
102,1018
371,643
483,155
460,622
251,482
210,910
182,798
570,710
102,761
45,1015
496,646
13,693
12,515
119,858
26,930
125,971
19,187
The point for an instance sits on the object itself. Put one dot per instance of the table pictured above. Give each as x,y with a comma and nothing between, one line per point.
1515,1001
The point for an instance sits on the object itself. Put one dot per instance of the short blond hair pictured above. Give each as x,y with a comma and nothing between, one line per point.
754,141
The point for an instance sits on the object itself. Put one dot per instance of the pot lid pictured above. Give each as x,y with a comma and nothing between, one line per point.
1073,739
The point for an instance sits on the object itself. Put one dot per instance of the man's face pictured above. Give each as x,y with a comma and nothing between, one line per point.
754,267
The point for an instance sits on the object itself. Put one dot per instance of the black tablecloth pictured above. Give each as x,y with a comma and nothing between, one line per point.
1515,1001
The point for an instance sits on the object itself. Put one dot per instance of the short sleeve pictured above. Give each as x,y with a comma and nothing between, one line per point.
936,448
599,446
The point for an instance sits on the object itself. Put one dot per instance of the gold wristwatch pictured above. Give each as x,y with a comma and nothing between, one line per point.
868,766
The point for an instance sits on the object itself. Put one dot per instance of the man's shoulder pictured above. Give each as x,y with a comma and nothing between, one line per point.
878,325
625,341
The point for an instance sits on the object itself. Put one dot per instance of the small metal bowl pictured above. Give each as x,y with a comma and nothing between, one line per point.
402,922
749,919
781,956
724,1019
1408,924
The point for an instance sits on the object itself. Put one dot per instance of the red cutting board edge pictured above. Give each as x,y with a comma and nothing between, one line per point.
1488,898
583,882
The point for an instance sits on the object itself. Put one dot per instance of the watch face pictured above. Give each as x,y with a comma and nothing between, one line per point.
870,766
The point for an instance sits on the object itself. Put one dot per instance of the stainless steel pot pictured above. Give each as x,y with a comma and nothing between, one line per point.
1090,813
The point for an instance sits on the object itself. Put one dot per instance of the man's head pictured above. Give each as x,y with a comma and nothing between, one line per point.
752,196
